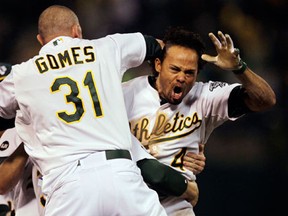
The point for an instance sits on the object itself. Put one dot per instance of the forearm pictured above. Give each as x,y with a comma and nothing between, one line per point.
162,178
192,193
259,95
12,169
153,47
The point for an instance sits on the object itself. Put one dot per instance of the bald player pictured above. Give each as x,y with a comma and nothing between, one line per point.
70,96
171,113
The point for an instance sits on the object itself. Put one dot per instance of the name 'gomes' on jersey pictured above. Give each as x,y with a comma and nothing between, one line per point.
66,58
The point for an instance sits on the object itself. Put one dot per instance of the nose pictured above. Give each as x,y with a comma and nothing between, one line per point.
181,77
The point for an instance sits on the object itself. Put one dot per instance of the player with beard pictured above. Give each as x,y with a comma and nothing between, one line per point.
171,112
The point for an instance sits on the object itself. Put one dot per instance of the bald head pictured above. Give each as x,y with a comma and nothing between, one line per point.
57,21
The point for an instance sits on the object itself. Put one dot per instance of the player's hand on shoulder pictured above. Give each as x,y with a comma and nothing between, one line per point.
195,162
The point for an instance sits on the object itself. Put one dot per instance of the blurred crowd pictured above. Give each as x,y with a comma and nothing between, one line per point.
256,146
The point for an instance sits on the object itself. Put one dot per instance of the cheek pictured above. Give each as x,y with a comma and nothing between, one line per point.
190,84
165,83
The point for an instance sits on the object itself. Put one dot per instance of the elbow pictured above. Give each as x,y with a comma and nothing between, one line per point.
270,101
273,100
263,103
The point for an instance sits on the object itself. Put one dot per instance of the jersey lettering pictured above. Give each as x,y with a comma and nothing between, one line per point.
75,99
67,58
179,158
179,125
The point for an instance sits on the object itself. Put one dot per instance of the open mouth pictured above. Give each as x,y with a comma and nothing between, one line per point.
177,93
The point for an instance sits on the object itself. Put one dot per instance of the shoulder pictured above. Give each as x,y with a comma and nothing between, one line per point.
125,36
214,86
135,83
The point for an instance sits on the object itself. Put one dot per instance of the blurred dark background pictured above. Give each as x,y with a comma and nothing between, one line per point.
247,161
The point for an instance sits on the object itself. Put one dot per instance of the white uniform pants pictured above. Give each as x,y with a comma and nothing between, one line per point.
96,186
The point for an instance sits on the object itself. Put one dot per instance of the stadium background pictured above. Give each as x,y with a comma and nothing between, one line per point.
247,161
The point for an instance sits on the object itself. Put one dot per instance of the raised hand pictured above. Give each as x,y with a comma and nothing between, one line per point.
228,57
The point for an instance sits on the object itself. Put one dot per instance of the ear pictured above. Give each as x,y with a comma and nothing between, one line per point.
76,31
158,66
40,39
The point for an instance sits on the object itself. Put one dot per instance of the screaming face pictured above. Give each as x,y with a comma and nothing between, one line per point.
177,73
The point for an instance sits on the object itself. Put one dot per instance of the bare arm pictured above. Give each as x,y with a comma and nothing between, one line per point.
12,168
259,95
192,193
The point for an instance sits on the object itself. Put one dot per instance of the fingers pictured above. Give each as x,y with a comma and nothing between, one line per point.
201,149
215,40
221,42
222,39
161,43
196,169
194,162
209,58
230,44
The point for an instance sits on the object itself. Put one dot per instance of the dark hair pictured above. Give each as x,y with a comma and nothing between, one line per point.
180,36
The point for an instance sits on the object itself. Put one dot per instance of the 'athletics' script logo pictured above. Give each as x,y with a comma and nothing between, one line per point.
178,126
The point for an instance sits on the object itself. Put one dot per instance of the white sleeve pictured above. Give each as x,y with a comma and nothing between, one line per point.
9,142
131,48
217,94
215,105
8,103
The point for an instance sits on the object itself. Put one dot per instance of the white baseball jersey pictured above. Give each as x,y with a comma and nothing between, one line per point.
70,95
22,197
40,196
138,151
170,131
60,89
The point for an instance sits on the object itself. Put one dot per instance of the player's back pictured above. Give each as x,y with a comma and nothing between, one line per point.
71,96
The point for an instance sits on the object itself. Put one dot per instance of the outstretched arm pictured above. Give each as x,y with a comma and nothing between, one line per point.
259,96
12,168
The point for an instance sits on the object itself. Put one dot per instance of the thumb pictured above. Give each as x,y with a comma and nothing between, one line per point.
201,148
208,58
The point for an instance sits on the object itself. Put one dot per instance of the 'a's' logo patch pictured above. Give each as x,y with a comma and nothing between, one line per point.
4,146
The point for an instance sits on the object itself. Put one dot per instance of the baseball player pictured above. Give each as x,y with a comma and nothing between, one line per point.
21,198
171,113
161,178
5,69
70,95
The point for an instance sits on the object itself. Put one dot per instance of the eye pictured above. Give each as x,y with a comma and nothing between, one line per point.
175,69
190,72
